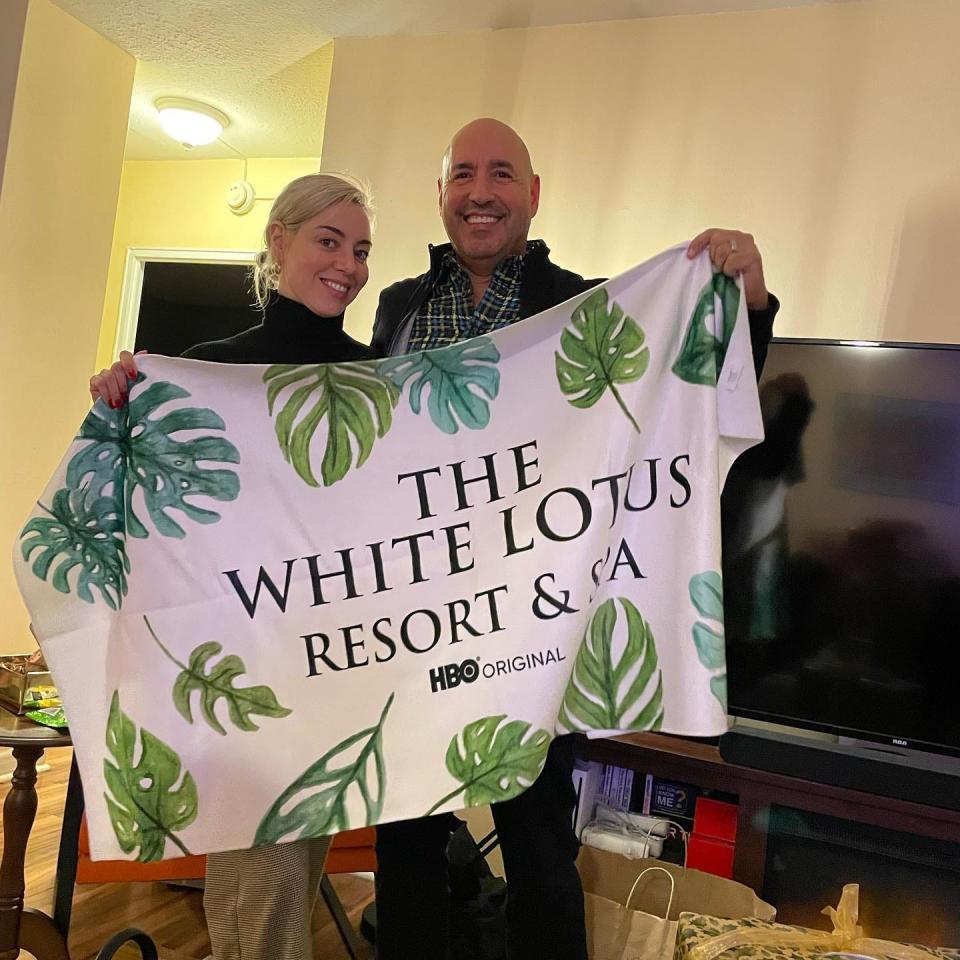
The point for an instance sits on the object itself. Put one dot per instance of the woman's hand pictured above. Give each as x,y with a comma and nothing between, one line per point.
112,385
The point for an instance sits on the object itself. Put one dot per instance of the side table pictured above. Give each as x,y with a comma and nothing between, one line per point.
23,928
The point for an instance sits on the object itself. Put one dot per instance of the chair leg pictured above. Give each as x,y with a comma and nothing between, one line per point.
69,853
349,936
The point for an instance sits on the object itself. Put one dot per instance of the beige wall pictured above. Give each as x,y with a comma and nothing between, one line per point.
13,17
182,204
831,132
57,208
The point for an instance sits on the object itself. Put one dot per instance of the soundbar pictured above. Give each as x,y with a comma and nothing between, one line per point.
841,765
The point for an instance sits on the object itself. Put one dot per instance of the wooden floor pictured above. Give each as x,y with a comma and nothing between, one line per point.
173,916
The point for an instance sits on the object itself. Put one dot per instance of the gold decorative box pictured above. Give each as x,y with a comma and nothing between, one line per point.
26,685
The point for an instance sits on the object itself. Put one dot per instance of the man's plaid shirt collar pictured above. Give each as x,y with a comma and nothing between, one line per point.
449,314
443,257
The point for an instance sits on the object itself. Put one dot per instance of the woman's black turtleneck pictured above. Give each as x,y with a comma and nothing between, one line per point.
290,333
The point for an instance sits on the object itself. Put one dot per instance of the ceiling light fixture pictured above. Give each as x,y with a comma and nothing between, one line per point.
191,123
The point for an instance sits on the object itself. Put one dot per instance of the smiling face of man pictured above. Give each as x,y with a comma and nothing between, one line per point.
488,194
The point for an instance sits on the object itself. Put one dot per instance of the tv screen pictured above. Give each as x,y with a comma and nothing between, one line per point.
842,545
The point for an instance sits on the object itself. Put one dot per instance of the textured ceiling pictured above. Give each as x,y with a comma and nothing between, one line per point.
266,63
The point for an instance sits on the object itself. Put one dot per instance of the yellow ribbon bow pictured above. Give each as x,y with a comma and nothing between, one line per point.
846,936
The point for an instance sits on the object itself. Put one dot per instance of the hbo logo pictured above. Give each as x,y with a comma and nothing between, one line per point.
453,674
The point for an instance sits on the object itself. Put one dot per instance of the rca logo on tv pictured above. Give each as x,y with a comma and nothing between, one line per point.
453,674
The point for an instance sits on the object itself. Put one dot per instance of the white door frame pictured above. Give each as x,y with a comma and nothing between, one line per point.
132,289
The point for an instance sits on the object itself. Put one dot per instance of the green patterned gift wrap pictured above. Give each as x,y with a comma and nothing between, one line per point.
701,937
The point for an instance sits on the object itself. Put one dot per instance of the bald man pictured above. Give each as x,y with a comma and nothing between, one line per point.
488,276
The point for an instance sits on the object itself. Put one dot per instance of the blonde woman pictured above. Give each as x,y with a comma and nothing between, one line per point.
258,902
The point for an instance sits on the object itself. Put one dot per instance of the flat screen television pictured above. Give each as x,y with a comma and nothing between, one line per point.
842,546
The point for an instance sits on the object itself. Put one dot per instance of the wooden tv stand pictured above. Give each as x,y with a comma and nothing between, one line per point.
700,764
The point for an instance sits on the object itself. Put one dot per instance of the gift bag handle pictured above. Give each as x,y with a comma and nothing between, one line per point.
636,883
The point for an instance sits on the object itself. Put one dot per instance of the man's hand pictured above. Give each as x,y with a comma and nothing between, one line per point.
735,253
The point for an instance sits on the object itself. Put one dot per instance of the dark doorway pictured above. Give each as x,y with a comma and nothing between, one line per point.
183,304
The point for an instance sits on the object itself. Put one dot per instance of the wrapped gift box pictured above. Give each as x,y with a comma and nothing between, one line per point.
25,686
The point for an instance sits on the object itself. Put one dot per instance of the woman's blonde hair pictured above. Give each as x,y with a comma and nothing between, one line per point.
299,201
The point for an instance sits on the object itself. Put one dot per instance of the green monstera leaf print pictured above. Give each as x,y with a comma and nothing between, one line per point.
215,683
496,761
604,348
316,802
150,798
706,592
83,533
703,352
461,381
130,449
616,684
354,400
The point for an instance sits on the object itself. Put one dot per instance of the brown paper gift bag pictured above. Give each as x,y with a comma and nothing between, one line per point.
632,906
